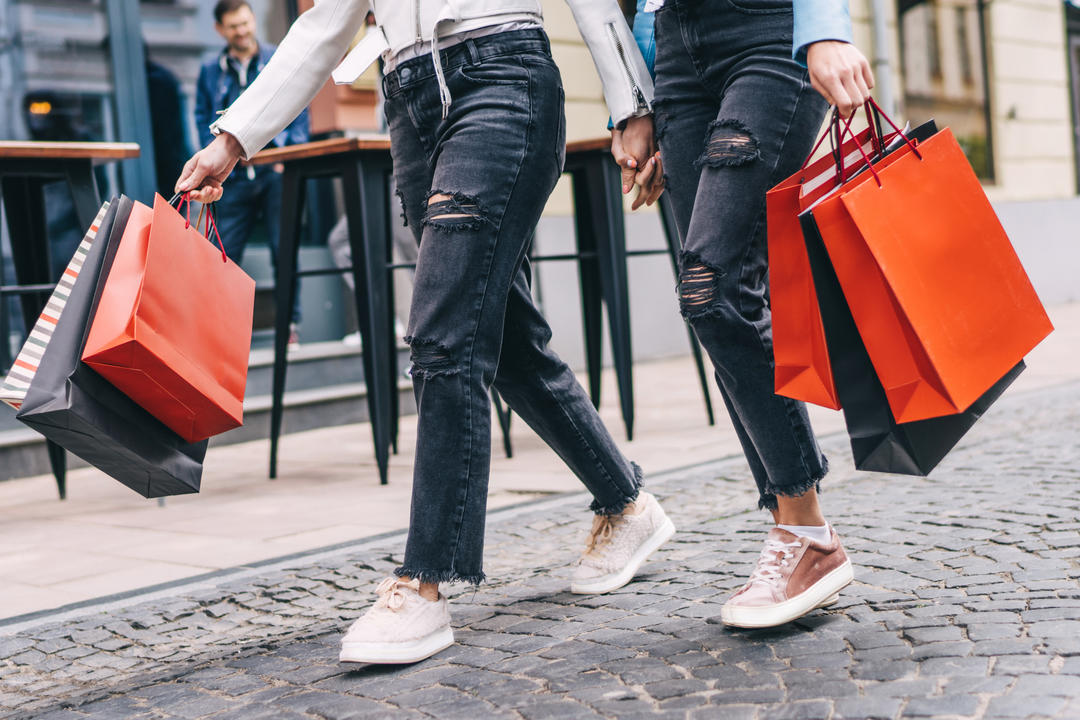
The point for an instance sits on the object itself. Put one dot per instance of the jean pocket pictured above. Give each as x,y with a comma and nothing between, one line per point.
761,7
501,70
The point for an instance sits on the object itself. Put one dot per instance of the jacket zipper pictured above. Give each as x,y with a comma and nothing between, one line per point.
635,86
419,31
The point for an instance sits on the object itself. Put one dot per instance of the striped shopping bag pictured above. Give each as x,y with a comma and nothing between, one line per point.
13,388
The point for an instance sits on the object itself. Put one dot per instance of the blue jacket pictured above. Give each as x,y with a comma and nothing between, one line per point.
219,85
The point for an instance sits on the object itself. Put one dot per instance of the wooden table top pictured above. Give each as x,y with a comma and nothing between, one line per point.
334,146
68,150
322,148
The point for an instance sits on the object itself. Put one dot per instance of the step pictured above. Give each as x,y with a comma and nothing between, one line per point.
324,388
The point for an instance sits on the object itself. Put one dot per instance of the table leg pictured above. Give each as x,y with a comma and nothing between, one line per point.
671,235
605,182
585,228
30,254
292,205
84,192
367,214
503,414
391,323
28,230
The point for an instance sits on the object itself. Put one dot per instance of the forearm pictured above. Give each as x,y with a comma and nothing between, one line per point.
299,68
626,79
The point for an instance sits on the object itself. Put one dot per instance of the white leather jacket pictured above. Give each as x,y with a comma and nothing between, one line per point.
319,38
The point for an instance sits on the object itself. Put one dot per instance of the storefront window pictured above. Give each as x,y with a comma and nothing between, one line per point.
944,64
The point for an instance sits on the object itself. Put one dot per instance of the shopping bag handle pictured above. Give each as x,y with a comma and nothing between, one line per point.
875,138
185,198
878,112
212,223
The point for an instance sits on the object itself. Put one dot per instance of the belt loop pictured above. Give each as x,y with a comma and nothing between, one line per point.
474,52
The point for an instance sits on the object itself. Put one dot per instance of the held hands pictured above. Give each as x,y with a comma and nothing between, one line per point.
207,169
634,150
841,74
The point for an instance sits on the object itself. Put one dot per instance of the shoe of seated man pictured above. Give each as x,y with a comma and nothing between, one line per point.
619,544
400,628
794,575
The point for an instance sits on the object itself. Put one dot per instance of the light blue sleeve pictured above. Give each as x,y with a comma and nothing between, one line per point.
817,20
645,35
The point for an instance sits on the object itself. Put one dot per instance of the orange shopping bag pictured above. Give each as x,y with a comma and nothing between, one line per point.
936,290
172,330
802,367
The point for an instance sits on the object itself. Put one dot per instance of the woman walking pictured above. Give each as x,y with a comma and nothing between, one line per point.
742,89
474,105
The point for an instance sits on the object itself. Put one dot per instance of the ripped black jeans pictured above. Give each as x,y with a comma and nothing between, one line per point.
473,186
734,116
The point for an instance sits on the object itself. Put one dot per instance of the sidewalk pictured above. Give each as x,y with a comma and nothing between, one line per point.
966,604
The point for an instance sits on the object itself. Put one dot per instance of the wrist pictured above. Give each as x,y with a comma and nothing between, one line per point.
230,144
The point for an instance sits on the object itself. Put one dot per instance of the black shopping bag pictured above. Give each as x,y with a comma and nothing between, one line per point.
76,408
878,442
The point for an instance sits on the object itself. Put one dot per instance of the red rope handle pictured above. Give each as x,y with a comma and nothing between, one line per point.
858,145
210,222
870,103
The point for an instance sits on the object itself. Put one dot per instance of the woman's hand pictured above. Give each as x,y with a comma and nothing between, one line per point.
634,150
207,169
840,73
650,181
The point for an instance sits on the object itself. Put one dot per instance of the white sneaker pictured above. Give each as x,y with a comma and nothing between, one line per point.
401,627
618,545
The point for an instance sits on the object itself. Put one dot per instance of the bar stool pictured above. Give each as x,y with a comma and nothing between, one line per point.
363,164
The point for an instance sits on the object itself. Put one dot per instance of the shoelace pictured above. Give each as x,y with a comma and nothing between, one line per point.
391,594
773,558
603,528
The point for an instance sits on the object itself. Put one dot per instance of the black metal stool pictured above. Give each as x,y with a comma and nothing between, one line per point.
363,164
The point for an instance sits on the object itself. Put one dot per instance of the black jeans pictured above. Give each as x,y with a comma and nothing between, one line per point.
735,115
473,186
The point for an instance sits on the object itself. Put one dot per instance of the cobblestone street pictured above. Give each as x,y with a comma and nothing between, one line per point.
966,604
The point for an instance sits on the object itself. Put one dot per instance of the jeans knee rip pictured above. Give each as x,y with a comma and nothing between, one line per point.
698,292
453,212
728,143
430,359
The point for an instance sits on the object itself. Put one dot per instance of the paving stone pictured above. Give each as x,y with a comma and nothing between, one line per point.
671,688
866,708
955,666
941,706
1023,706
1063,685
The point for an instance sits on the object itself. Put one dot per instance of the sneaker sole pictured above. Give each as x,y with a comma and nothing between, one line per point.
824,592
388,653
616,580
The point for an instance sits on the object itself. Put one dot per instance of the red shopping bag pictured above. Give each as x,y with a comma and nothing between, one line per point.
172,329
802,367
936,290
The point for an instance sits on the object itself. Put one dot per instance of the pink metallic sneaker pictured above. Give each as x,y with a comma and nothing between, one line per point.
794,575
